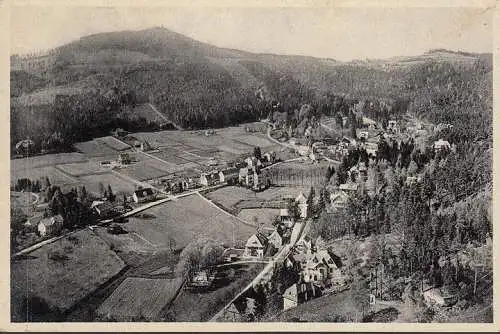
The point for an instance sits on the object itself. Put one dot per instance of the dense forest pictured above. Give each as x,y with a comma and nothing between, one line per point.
449,208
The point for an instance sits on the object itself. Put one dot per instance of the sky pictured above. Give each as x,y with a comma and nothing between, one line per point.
339,33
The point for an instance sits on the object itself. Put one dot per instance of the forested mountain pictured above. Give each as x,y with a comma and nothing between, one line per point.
198,85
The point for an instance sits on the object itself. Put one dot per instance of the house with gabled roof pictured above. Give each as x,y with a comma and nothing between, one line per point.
256,246
143,195
51,225
209,179
229,175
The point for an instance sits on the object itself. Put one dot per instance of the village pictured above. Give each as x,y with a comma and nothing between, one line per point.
318,271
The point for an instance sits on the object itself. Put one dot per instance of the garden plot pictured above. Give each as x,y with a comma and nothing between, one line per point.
62,273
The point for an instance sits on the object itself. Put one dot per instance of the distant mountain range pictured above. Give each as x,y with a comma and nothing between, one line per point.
101,60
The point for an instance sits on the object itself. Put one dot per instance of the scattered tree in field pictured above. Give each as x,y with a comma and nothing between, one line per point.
199,254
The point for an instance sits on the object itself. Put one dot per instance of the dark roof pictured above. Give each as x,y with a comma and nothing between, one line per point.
143,192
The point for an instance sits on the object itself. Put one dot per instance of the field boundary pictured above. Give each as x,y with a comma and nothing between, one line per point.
226,212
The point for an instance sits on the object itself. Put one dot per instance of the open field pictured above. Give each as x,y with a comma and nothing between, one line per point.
96,148
55,176
85,262
231,196
81,168
45,160
113,143
264,216
185,220
138,298
117,184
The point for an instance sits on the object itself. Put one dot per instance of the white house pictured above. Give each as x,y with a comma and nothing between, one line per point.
339,200
229,175
441,145
209,179
255,246
51,225
299,293
301,200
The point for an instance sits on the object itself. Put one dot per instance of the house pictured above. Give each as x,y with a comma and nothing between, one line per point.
339,200
232,254
253,163
255,246
322,268
301,200
201,279
103,208
107,164
229,175
270,157
259,183
368,121
412,180
299,293
441,145
304,245
143,195
442,297
303,150
349,187
209,179
363,135
51,225
247,177
285,218
275,239
392,125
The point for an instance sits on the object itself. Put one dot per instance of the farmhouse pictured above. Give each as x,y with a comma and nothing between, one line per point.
299,293
143,195
441,145
209,179
301,200
256,246
229,175
51,225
